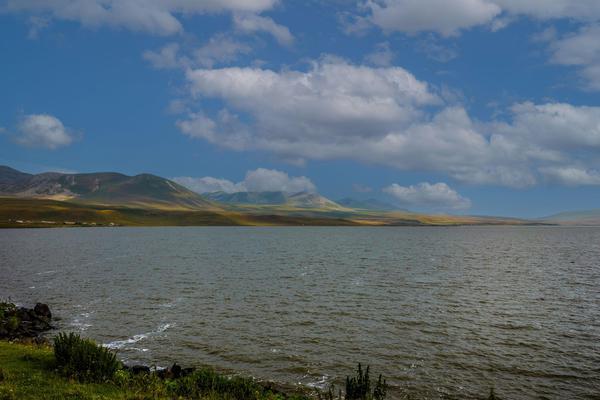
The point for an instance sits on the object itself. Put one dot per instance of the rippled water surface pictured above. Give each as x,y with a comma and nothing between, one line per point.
441,312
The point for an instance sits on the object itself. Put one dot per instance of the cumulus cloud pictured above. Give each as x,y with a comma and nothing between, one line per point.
258,180
572,176
449,17
337,110
289,109
251,23
43,130
582,50
151,16
446,17
427,195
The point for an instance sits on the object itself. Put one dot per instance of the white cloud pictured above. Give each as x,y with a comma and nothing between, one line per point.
333,99
209,184
582,50
271,180
572,176
382,56
43,130
336,110
167,57
436,51
427,195
220,49
258,180
150,16
583,10
251,23
449,17
554,126
446,17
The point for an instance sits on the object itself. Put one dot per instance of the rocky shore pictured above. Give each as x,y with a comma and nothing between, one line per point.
22,323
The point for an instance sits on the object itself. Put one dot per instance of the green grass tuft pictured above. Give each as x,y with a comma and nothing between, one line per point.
83,359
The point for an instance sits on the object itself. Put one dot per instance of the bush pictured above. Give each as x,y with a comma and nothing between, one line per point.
83,359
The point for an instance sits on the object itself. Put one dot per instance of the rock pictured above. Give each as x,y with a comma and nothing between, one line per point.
176,371
139,369
42,310
22,322
162,373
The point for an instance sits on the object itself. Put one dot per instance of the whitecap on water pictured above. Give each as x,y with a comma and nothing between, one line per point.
320,384
119,344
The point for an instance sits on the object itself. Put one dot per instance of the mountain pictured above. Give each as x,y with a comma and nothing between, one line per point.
144,190
256,198
369,204
586,217
311,200
297,200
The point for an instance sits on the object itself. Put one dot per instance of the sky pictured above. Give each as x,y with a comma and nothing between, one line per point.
483,107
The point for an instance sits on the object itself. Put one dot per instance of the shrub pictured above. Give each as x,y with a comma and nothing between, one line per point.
83,359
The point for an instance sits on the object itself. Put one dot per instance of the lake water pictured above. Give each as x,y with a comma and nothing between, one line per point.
441,312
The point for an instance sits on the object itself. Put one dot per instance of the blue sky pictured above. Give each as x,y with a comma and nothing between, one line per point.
463,106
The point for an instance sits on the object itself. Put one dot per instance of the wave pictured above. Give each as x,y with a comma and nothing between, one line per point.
119,344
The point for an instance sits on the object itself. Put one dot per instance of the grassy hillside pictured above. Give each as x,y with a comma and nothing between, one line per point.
19,213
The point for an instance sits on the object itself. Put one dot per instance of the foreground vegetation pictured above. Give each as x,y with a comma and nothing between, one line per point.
76,368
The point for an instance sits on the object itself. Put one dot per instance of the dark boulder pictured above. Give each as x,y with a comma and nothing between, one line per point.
42,311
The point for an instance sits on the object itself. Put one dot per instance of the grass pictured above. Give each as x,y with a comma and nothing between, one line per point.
52,213
83,359
31,372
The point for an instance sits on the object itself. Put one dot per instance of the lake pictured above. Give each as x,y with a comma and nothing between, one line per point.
440,312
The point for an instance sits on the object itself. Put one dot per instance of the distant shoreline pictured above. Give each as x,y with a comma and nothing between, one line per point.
43,213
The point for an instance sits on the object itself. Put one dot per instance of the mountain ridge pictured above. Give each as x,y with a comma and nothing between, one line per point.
101,188
274,198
